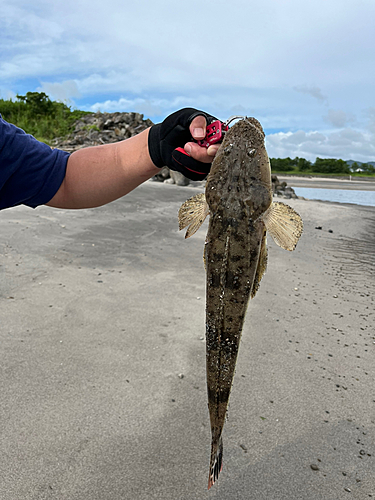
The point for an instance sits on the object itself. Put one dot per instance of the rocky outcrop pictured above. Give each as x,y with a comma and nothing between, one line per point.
102,128
281,189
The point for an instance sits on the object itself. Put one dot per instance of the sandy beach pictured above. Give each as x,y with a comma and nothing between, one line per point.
103,392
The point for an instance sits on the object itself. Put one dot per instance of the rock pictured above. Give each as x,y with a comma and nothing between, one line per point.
162,175
179,178
281,189
95,129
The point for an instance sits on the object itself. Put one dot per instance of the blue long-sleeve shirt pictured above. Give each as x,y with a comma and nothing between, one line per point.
30,171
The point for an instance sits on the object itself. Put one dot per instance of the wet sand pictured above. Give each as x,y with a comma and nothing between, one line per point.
103,391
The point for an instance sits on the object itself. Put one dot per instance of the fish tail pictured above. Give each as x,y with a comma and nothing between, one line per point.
216,463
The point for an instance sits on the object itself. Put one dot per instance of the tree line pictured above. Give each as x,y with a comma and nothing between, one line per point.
321,166
39,116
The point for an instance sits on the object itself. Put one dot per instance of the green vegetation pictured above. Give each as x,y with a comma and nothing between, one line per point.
326,166
38,115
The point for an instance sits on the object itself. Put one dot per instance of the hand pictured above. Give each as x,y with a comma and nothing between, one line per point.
198,131
170,143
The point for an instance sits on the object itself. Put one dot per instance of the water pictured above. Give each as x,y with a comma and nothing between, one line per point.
338,195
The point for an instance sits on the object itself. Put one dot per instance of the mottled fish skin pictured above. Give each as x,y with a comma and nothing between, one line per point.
238,192
238,198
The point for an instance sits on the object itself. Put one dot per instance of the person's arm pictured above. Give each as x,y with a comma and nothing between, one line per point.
100,174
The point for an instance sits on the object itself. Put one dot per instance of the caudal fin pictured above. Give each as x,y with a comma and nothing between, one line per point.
216,463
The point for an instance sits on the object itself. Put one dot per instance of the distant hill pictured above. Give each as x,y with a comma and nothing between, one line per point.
359,163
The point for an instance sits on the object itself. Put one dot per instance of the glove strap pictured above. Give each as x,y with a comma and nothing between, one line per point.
154,145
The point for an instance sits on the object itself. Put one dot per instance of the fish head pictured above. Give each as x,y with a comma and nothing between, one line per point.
240,174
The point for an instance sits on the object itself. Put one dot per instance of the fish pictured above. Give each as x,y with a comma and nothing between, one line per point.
239,202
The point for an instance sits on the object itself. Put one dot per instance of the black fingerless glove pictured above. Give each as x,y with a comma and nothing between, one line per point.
167,139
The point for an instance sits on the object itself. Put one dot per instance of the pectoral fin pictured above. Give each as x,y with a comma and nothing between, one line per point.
262,266
284,225
192,213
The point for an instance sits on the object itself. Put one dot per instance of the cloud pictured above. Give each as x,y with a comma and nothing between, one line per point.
371,120
345,144
7,94
311,90
155,108
62,92
339,118
149,107
18,21
238,109
280,68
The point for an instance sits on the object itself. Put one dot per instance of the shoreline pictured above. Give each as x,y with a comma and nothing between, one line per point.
328,202
327,183
201,186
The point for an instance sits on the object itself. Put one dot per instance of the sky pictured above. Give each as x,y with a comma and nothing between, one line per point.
304,69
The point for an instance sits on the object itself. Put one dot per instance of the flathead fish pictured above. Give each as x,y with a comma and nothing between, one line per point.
238,198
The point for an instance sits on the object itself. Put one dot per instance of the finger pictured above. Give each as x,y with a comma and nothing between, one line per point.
198,127
199,153
212,150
